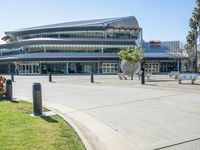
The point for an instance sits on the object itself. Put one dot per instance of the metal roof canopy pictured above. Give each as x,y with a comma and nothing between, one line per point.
129,22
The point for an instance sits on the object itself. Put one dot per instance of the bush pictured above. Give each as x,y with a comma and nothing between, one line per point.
2,86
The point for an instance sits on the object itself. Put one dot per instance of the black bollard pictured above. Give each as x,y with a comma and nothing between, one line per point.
143,76
50,77
12,77
37,99
9,91
92,77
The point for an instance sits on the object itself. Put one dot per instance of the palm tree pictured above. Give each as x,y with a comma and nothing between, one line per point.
196,20
188,49
191,45
195,25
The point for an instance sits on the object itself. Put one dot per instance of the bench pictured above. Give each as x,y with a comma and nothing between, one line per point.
148,75
174,74
187,76
121,76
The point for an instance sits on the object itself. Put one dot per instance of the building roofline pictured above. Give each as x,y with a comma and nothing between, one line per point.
98,23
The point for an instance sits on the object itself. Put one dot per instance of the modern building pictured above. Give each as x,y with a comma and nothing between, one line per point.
162,56
72,47
81,47
198,58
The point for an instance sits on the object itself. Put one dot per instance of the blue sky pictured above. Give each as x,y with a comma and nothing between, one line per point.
160,19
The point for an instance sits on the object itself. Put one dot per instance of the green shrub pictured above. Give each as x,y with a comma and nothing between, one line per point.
2,86
134,54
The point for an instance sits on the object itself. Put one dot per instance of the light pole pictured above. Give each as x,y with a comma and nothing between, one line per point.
143,72
196,57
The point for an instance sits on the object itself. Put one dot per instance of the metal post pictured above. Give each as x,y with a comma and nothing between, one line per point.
37,99
12,77
50,77
9,91
143,75
196,59
92,77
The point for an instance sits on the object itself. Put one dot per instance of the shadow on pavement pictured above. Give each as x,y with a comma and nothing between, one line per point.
49,119
150,80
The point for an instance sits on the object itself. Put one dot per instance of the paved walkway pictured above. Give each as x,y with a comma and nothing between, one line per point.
114,114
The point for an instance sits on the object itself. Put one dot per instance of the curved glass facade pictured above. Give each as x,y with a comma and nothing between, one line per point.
76,47
102,34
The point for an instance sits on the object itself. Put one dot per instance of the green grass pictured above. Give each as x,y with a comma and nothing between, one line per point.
20,131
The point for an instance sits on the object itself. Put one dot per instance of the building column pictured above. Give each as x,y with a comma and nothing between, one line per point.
101,49
159,65
98,70
178,65
67,71
40,68
8,68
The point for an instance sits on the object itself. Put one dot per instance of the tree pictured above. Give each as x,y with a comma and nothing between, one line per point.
132,55
191,45
196,16
191,48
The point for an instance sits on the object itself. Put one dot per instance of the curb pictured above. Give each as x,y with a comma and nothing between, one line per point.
83,139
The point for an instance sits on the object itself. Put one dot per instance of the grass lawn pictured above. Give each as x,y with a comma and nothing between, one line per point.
20,131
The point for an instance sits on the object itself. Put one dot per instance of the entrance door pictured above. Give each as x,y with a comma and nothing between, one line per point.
79,68
152,67
53,67
29,69
109,67
168,66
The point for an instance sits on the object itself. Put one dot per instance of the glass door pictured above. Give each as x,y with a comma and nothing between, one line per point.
152,67
29,69
109,68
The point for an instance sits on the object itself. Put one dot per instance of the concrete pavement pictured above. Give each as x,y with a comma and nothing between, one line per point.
121,114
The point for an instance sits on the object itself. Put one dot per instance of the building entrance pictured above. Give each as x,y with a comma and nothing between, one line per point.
168,66
79,68
156,66
109,67
82,67
53,67
152,67
29,69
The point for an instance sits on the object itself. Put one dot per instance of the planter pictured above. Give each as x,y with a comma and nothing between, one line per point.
129,67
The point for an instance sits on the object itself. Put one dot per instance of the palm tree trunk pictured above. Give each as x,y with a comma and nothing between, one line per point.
198,26
196,56
199,32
